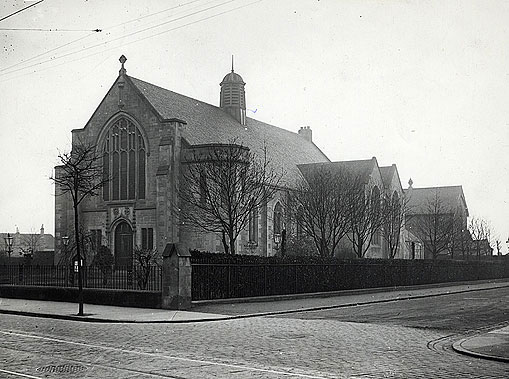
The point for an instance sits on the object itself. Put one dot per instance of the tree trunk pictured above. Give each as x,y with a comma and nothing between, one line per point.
78,255
225,243
232,242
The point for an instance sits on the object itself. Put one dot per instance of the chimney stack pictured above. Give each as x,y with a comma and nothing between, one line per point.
306,132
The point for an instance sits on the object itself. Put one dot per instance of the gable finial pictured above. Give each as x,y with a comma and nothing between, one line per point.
122,60
232,62
410,183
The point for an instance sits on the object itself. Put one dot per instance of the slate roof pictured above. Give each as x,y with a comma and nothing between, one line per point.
363,168
209,124
450,197
45,243
387,173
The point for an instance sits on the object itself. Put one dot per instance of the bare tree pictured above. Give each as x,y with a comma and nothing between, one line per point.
434,224
87,248
30,243
480,231
145,260
498,245
460,238
222,185
394,209
80,176
365,217
320,207
103,260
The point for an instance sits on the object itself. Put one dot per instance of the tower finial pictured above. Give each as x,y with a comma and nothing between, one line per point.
122,60
232,62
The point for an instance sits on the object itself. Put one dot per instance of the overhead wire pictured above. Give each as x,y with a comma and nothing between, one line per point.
135,41
51,30
109,41
88,35
151,15
21,10
46,52
118,38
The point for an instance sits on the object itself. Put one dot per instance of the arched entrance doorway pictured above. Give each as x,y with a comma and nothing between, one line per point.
123,245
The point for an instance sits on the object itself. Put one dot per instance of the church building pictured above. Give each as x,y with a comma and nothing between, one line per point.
143,132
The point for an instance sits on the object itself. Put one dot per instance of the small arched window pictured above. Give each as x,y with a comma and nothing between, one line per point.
375,209
253,225
124,161
278,218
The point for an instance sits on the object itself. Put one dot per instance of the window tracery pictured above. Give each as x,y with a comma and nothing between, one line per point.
124,161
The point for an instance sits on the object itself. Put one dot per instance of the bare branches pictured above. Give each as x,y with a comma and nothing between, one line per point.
221,185
79,175
144,260
498,245
365,216
480,231
321,208
394,209
80,172
335,203
435,225
30,243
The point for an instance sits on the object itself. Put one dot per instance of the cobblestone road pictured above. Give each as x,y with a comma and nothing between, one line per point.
245,348
307,345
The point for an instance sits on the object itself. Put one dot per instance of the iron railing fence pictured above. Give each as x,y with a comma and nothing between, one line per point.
114,277
233,280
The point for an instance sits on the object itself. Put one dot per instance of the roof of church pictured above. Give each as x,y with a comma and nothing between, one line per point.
209,124
420,198
387,172
361,168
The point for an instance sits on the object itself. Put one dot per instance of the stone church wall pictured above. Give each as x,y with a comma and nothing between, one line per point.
161,144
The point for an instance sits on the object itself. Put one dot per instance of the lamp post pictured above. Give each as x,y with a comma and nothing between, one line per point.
65,241
8,242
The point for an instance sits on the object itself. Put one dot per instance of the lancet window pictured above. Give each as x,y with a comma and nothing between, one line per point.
124,162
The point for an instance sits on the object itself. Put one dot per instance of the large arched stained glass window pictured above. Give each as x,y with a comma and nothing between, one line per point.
124,162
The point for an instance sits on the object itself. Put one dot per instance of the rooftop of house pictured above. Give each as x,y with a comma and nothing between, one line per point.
359,168
43,241
209,124
448,197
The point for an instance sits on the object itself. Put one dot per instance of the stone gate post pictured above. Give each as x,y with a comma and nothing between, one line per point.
176,278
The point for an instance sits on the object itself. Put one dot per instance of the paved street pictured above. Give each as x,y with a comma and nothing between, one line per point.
401,339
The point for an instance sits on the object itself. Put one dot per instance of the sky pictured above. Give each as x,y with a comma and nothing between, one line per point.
422,84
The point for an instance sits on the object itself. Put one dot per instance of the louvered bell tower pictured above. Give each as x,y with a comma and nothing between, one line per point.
233,96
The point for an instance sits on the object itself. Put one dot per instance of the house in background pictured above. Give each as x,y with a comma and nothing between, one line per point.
438,217
38,247
379,182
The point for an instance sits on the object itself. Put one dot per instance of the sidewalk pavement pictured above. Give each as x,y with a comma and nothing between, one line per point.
493,345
